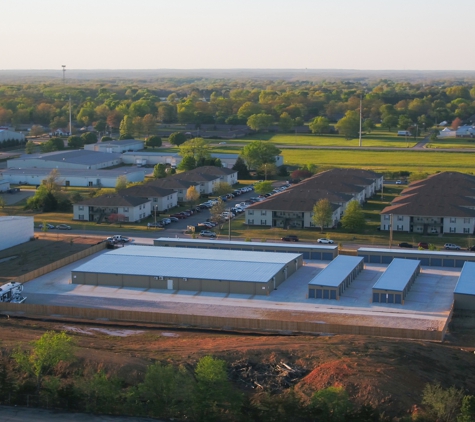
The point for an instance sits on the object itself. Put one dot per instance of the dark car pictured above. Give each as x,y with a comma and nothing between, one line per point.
471,248
423,245
290,238
405,245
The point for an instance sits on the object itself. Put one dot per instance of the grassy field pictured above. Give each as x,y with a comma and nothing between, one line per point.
452,143
428,161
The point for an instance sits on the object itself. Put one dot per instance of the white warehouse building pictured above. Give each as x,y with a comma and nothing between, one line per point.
15,230
10,134
120,146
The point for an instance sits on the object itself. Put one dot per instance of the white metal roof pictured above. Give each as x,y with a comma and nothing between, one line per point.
397,274
466,283
418,252
206,254
298,246
155,266
336,271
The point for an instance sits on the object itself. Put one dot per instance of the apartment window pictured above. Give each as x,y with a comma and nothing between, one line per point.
453,220
250,212
154,199
81,207
263,222
466,230
400,218
387,217
466,220
263,212
89,183
126,209
452,230
81,217
250,221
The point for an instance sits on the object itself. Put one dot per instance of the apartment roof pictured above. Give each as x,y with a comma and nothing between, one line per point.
442,194
147,191
113,201
173,183
211,170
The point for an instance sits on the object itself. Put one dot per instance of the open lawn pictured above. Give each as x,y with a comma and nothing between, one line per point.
452,143
427,161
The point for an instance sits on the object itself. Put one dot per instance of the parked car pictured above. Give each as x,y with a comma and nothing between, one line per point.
452,246
179,216
423,245
63,227
174,219
398,182
405,245
207,233
471,248
324,240
49,226
119,238
434,231
156,225
166,221
290,238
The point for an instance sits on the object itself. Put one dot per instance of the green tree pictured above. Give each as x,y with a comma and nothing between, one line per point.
160,171
333,404
267,170
263,187
286,123
103,393
404,122
47,146
222,188
149,123
154,141
53,181
389,122
319,125
2,202
187,163
89,138
46,353
36,130
121,183
75,142
177,138
100,126
58,143
30,147
260,121
126,128
216,210
368,125
442,404
322,214
192,195
241,168
420,175
198,148
353,217
349,126
257,153
248,109
467,411
213,395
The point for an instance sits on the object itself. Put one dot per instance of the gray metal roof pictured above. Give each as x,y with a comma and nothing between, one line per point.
336,271
153,154
67,172
295,246
207,254
81,156
155,266
397,274
120,142
466,283
417,252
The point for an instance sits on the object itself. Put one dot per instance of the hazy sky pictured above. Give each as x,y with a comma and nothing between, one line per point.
221,34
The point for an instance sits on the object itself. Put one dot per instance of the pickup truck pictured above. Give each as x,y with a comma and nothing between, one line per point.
118,238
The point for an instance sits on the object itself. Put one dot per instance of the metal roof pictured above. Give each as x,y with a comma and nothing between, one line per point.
153,154
418,252
192,268
299,246
466,283
68,172
397,274
336,271
81,156
207,254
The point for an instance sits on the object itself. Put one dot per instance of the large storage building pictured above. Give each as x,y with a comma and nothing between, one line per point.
331,282
15,230
464,293
119,146
147,267
395,282
316,252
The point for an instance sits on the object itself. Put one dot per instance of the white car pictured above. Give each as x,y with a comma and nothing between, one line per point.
324,240
452,246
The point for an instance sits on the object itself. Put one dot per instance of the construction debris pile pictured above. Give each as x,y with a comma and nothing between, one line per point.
270,377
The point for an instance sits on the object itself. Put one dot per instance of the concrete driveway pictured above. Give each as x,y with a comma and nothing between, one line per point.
14,198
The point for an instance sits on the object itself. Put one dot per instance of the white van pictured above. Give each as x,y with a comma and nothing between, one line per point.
403,133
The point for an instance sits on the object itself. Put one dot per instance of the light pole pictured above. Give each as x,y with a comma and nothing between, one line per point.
361,117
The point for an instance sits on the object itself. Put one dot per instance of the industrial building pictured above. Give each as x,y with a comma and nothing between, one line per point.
331,282
74,159
395,282
73,177
427,258
119,146
464,292
6,135
15,230
240,272
316,252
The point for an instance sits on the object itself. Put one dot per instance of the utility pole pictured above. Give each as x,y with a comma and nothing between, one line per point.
361,116
64,73
64,83
390,230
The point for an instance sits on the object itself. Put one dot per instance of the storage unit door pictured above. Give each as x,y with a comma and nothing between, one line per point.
375,297
397,298
311,293
332,294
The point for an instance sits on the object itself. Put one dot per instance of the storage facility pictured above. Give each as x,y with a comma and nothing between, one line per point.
199,270
119,146
15,230
427,258
317,252
464,292
332,281
395,282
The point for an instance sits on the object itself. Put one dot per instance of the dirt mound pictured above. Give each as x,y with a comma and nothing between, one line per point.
331,373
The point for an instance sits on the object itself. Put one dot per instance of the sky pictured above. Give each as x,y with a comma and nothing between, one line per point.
238,34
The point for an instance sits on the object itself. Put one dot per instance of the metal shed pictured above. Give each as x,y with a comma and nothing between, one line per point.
335,278
197,270
464,292
316,252
395,282
427,258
